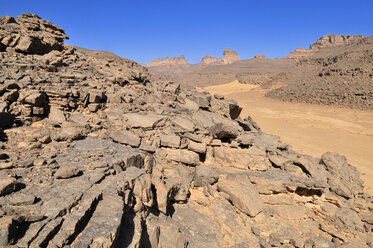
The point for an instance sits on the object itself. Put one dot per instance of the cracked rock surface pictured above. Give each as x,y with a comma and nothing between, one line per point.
96,152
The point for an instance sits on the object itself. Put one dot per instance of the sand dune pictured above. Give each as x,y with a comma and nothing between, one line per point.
311,129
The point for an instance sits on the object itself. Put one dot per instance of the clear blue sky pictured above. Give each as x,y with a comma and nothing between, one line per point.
145,30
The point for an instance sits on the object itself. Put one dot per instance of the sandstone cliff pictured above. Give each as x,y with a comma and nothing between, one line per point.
323,42
209,60
168,62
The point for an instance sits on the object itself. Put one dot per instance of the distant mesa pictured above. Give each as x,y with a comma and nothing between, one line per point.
323,42
229,57
259,56
209,60
173,61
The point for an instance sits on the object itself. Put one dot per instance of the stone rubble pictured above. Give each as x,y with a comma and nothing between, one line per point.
97,152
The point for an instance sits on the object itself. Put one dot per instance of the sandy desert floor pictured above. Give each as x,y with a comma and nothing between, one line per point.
310,129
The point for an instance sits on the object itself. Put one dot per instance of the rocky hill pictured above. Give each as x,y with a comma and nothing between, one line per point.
323,42
339,75
168,62
229,57
96,152
209,60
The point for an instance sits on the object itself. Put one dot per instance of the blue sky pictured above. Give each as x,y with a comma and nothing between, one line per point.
145,30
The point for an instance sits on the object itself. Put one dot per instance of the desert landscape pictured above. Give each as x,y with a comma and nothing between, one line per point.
310,129
100,151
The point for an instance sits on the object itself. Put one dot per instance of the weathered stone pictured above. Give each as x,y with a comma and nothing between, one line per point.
197,147
7,185
97,97
172,141
242,193
146,121
205,175
183,123
125,137
7,230
56,115
224,130
253,158
38,99
66,172
344,179
183,156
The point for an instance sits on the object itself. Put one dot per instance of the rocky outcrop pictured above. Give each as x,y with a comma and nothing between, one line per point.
323,42
30,34
209,60
168,62
102,154
229,56
332,74
335,40
259,56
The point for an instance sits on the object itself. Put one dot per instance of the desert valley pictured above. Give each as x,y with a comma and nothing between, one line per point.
100,151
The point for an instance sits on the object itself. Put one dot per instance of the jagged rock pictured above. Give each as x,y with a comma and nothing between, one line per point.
7,230
242,194
209,60
7,185
30,34
341,172
130,160
38,99
229,56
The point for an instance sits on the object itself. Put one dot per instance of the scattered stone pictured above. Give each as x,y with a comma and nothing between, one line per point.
7,185
66,172
163,166
125,137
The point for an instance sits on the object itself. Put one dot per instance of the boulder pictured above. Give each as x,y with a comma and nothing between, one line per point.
7,185
225,131
125,137
242,193
67,172
144,121
56,115
183,156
